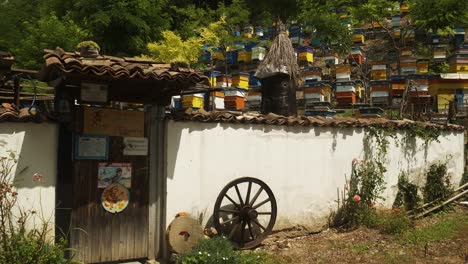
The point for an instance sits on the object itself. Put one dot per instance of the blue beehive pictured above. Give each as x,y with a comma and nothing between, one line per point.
231,56
252,80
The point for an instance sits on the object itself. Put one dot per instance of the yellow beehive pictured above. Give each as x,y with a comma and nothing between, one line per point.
443,101
358,38
379,74
343,69
192,101
305,57
244,56
240,80
423,67
459,68
217,55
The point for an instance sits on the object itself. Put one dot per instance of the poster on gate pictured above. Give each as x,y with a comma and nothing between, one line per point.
109,173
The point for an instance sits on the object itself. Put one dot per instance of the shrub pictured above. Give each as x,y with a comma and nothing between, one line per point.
220,250
464,179
394,222
437,184
407,196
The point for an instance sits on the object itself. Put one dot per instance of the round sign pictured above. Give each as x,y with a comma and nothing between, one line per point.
115,198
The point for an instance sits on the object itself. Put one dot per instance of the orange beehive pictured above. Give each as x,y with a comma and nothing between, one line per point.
234,102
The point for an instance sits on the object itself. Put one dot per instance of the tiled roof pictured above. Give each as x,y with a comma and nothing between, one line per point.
10,113
272,119
58,62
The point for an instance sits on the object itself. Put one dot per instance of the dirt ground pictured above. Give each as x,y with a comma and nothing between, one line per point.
441,238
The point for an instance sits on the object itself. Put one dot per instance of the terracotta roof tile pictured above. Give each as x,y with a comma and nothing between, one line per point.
11,113
58,62
272,119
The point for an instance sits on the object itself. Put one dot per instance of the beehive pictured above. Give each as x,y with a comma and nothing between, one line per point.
240,80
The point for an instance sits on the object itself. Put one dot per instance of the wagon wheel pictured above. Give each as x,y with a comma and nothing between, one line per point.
245,219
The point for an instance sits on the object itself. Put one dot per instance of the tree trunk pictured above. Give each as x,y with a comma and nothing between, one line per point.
279,95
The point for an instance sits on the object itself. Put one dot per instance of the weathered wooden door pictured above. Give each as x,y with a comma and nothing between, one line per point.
100,236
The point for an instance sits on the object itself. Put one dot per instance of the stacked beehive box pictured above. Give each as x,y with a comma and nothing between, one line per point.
193,101
316,92
419,89
223,81
380,86
408,63
296,34
356,56
358,36
244,56
440,52
459,61
331,57
305,55
345,93
234,99
380,92
240,80
258,53
398,88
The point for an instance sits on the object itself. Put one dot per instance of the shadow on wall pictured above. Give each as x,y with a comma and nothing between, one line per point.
32,145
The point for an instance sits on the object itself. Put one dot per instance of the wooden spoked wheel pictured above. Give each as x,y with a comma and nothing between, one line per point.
245,212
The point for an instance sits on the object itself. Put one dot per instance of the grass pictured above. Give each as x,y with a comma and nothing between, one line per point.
440,238
444,229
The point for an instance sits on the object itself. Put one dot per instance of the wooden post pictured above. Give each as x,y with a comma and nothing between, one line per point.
16,83
157,184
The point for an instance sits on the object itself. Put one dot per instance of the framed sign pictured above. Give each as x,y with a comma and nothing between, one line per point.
91,147
109,173
94,92
112,122
135,146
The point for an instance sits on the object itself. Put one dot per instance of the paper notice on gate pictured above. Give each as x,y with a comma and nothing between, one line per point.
135,146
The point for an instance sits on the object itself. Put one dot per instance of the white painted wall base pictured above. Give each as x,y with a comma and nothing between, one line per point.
304,166
36,148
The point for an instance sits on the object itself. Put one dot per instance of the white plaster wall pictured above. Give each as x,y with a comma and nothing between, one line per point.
36,148
305,167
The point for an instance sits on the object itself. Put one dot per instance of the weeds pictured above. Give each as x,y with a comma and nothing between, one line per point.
220,250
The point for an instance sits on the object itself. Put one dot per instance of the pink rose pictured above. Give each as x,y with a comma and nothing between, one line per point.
357,198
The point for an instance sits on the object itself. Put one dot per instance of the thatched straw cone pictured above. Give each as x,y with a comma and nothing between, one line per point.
279,74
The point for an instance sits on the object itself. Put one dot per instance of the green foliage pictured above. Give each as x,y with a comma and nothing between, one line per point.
172,49
438,15
437,68
395,222
437,183
426,134
374,11
88,43
325,25
185,20
407,196
220,250
464,179
122,27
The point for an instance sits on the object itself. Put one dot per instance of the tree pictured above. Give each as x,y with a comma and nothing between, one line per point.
439,15
325,25
48,32
173,49
122,27
28,27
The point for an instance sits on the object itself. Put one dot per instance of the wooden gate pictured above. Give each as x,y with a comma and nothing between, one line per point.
100,236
